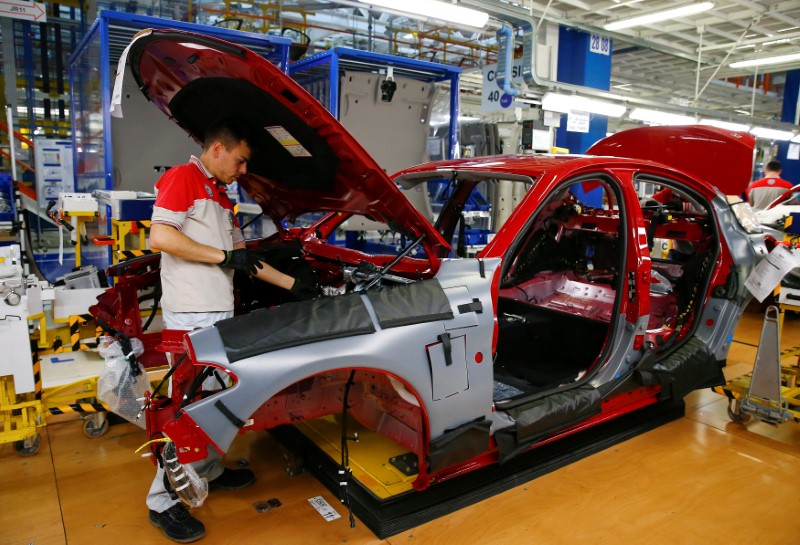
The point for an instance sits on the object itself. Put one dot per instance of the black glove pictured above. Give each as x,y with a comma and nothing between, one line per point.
304,288
242,260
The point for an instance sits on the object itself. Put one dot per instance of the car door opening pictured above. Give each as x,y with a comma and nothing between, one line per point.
558,293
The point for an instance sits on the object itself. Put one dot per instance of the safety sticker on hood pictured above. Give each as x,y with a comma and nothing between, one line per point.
288,141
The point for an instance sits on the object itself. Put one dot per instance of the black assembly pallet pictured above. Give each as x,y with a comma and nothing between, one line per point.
387,517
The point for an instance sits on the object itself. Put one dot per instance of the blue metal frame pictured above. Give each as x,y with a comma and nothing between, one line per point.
421,70
132,21
277,52
30,70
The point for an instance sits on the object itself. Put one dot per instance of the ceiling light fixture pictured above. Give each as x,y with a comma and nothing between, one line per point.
771,134
778,42
796,139
780,59
435,10
660,118
738,127
683,11
555,102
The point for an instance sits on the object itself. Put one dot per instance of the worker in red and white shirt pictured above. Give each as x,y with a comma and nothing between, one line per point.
194,227
762,192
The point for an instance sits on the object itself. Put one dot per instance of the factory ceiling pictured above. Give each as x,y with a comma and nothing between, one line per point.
682,62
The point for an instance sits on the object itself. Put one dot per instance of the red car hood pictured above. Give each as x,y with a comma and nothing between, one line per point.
303,160
720,157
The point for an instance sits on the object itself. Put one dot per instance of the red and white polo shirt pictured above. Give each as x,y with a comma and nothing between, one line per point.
190,199
762,192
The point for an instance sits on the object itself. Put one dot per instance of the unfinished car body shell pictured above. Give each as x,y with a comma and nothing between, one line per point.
569,317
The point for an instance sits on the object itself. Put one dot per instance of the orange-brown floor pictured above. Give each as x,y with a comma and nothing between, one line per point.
701,479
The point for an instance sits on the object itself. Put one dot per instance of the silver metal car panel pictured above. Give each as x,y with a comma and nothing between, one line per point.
622,357
720,316
449,372
460,295
400,351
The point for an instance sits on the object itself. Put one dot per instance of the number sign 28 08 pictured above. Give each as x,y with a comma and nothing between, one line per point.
600,44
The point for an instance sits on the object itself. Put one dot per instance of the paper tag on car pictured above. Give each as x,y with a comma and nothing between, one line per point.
288,141
324,508
771,270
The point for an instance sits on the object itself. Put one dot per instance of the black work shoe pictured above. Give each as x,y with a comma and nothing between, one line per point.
232,479
177,524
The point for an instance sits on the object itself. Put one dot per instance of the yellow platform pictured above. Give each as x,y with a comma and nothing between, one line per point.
369,457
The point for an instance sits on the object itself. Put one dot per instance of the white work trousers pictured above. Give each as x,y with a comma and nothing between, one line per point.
158,499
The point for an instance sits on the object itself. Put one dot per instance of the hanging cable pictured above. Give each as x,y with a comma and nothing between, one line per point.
728,54
345,472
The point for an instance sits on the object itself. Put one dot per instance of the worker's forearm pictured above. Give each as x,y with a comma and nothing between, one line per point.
168,239
273,276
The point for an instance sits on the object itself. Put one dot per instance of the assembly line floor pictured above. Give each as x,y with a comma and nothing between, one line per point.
701,479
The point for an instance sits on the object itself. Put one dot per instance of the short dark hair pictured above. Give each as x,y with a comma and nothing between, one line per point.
773,166
228,131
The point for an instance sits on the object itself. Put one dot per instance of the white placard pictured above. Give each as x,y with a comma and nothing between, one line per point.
16,358
324,508
23,10
793,152
578,121
542,140
600,44
493,99
771,270
551,119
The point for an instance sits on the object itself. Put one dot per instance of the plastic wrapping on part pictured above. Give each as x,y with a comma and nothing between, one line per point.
659,283
186,483
121,385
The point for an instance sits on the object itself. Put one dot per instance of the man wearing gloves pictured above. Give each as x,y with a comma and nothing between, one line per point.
194,227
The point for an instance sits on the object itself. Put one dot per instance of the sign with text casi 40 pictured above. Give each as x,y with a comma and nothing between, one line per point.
493,99
26,11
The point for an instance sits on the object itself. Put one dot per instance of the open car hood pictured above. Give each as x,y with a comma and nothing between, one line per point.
303,160
720,157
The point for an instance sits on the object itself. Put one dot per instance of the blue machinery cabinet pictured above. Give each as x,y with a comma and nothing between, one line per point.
92,68
320,75
119,154
324,76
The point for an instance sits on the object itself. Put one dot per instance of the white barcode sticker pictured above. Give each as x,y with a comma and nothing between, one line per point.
324,508
288,141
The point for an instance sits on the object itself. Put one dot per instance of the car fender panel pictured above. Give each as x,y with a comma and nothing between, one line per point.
545,415
283,346
690,367
293,324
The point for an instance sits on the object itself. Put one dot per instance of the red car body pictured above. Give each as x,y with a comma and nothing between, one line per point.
570,307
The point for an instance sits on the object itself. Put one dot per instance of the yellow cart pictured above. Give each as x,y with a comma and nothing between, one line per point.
60,380
770,392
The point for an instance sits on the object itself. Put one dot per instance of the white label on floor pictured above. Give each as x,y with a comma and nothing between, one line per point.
324,508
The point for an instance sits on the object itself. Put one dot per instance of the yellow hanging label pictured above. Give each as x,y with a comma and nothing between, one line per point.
161,440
